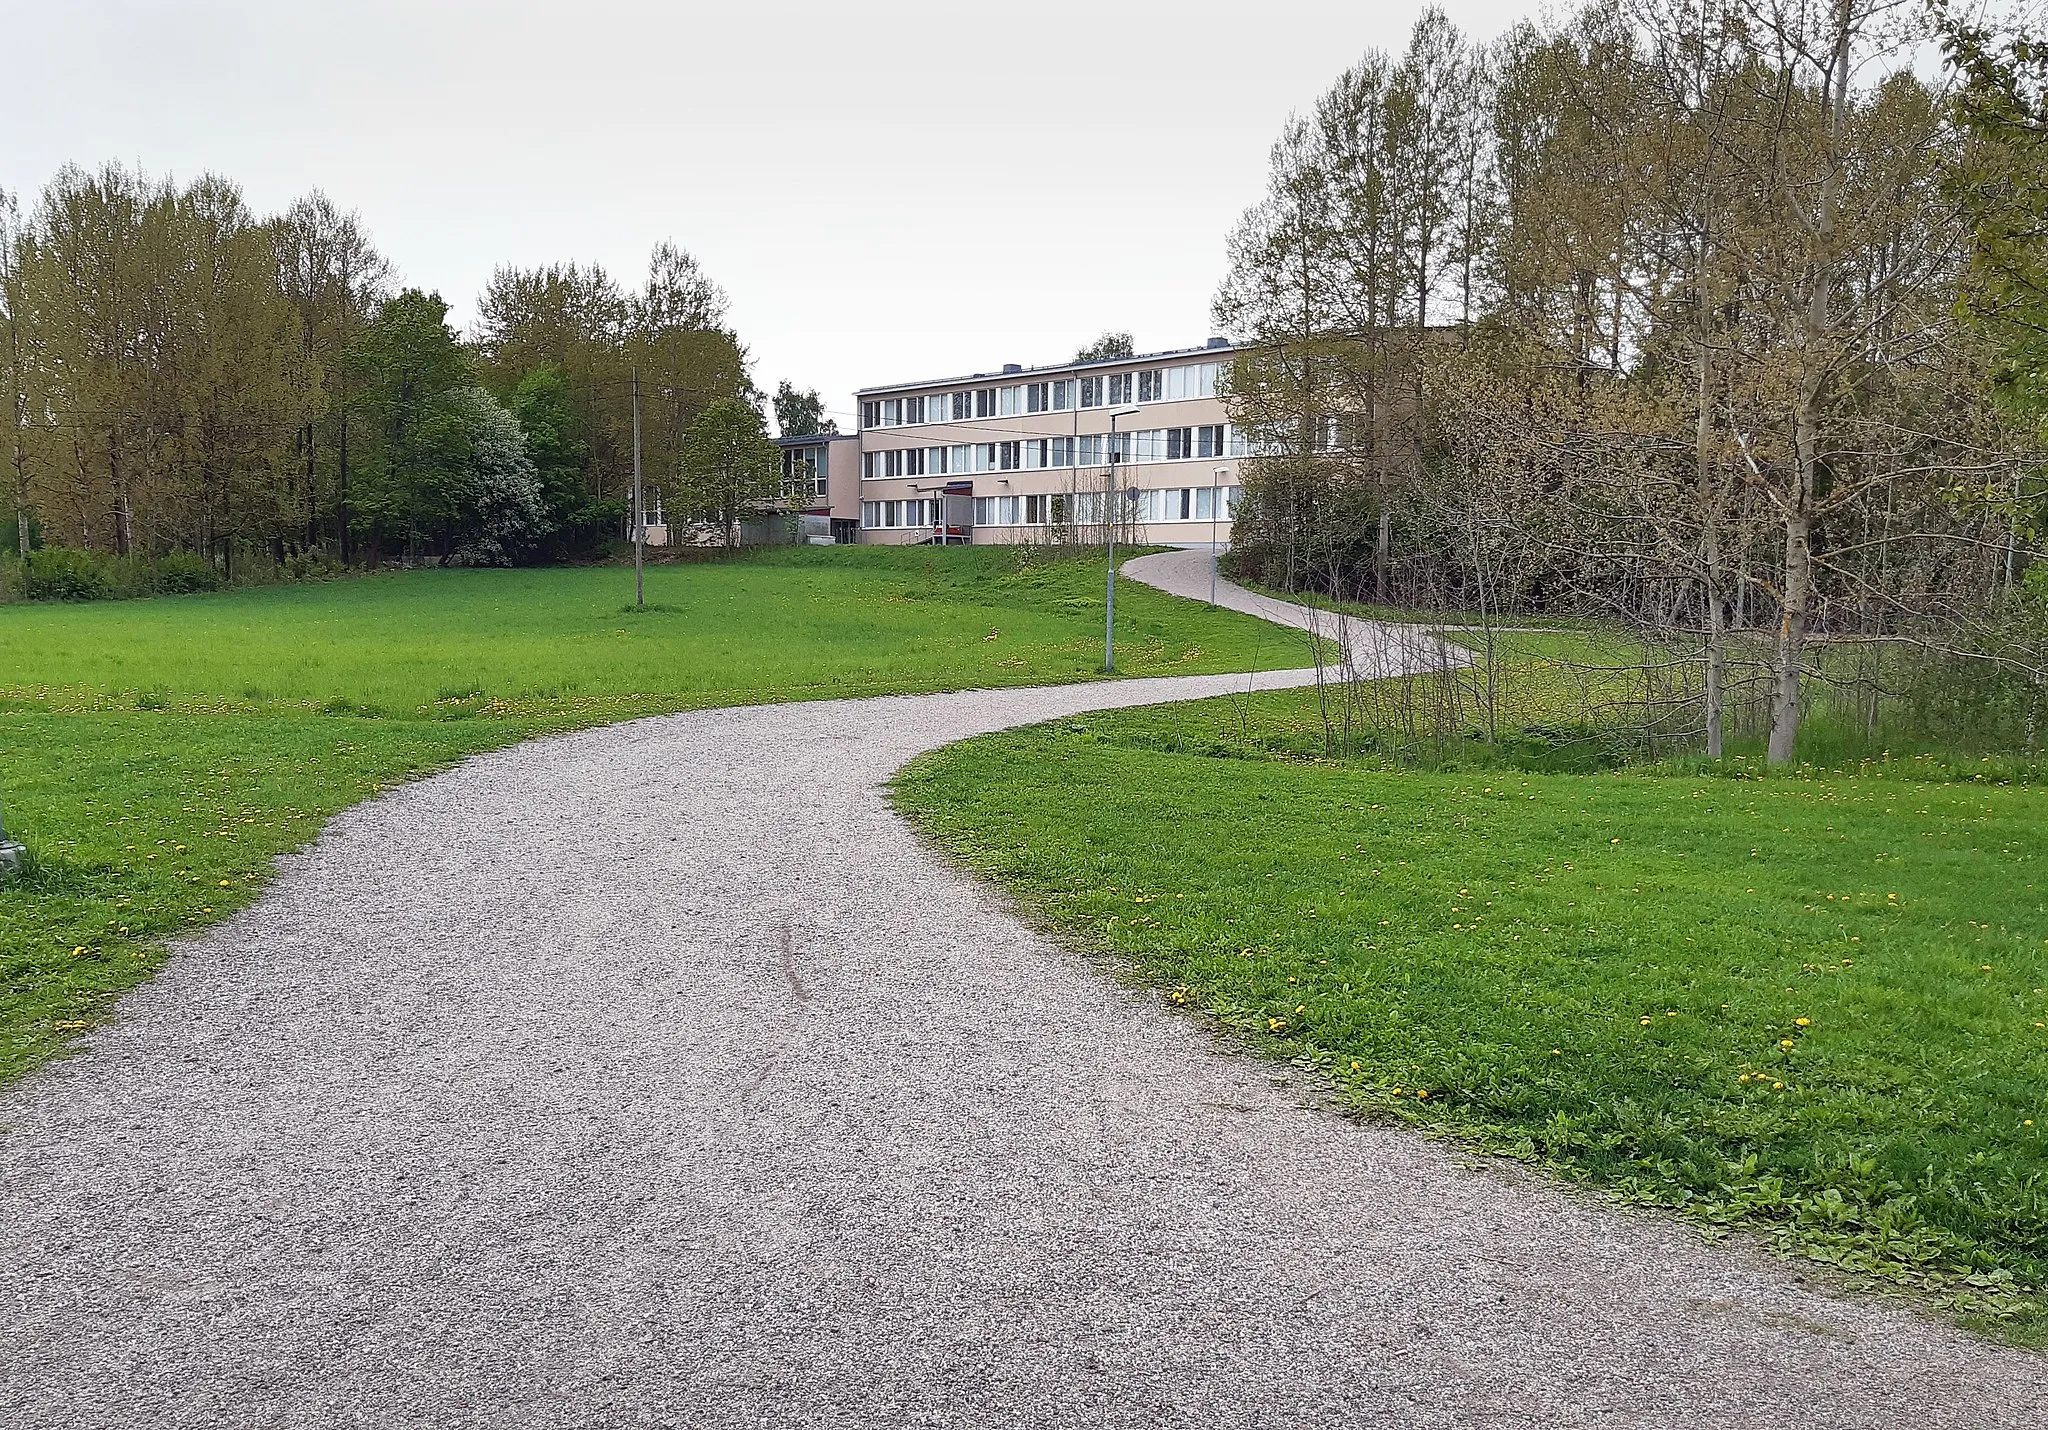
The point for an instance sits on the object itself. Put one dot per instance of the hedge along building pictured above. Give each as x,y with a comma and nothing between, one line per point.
1023,455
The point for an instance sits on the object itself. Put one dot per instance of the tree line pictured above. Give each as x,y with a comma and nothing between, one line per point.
1710,316
185,377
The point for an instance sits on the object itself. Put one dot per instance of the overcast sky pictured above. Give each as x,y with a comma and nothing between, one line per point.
888,191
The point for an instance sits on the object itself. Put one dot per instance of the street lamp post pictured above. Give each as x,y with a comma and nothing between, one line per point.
639,508
1109,604
1215,511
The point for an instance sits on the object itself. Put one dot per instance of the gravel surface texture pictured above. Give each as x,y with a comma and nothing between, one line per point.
659,1075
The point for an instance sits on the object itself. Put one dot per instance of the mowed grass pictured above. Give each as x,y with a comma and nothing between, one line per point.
563,643
155,755
1811,1005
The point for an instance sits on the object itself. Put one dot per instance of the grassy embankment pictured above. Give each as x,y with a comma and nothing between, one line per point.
1812,1004
156,754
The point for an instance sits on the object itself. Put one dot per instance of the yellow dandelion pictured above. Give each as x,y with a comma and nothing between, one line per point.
1802,1022
1644,1021
1784,1042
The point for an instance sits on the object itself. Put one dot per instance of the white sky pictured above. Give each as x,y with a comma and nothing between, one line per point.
906,189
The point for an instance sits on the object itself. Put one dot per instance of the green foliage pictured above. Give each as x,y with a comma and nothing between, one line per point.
730,467
1109,345
1600,972
2002,101
58,573
181,573
411,365
801,414
544,404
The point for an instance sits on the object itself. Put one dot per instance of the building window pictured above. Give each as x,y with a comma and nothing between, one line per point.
1091,391
1009,456
1151,386
935,461
1180,443
1119,390
1062,396
1034,510
963,406
913,461
871,414
1009,400
1062,452
1090,452
1038,397
984,402
892,412
1209,441
913,409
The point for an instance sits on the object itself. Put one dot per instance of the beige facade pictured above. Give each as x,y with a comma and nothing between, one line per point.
1023,455
821,479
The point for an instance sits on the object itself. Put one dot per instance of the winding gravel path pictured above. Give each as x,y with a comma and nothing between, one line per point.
658,1075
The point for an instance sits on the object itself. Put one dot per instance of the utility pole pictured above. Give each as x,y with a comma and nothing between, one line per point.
639,516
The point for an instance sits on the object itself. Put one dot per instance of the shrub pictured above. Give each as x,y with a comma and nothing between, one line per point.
181,573
60,574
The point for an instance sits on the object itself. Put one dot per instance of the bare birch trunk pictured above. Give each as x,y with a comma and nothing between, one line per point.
1710,554
1806,434
1792,621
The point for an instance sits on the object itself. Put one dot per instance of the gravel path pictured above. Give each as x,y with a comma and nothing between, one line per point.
658,1075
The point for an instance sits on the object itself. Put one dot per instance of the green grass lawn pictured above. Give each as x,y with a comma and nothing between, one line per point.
1814,1005
155,755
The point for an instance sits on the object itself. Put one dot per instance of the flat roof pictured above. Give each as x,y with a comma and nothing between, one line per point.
816,437
1024,372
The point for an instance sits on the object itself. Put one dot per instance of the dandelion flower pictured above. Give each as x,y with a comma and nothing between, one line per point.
1645,1022
1784,1042
1802,1022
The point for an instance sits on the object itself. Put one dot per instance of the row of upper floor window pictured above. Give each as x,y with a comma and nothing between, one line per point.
1180,383
1157,444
